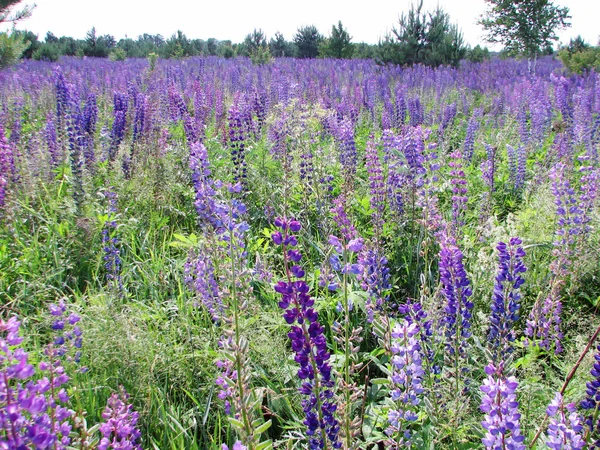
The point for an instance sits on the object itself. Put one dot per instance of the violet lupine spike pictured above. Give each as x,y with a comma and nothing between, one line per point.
472,127
523,121
415,112
565,427
517,159
458,181
544,323
112,254
500,406
67,344
89,118
237,138
119,428
488,167
588,193
6,166
406,376
308,343
506,299
376,186
591,404
117,133
456,289
24,421
348,156
206,203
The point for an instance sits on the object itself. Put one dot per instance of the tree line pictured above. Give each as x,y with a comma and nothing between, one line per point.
526,28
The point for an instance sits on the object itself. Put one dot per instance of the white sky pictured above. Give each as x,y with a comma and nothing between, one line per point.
366,21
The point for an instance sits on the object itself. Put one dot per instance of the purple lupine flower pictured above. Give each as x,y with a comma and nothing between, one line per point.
119,427
6,166
56,157
112,254
459,190
447,117
406,376
565,427
237,138
415,111
67,344
237,446
472,127
399,109
376,186
543,325
203,281
375,279
523,121
488,167
308,342
591,403
117,133
413,147
517,159
500,406
345,137
24,422
88,128
141,117
589,184
506,299
206,203
456,289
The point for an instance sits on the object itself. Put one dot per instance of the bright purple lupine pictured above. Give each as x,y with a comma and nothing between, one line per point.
308,343
207,206
117,133
119,428
488,167
203,281
345,137
24,422
237,446
447,117
589,185
565,427
88,126
406,384
415,111
506,299
456,289
237,137
500,406
591,403
524,131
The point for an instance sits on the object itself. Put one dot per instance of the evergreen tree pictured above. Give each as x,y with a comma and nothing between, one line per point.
307,40
338,45
8,15
423,38
280,47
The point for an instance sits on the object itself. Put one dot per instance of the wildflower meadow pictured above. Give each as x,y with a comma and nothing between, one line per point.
208,253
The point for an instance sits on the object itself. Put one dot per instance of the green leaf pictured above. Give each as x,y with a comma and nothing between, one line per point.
264,427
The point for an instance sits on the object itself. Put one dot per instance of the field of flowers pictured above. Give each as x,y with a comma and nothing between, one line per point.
210,254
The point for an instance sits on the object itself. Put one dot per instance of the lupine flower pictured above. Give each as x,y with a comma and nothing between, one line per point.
543,325
591,403
308,342
6,165
472,128
406,377
119,428
52,142
237,138
117,133
459,191
237,446
456,289
112,254
506,298
517,159
564,430
500,406
415,111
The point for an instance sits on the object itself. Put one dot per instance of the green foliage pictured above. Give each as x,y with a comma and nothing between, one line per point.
98,46
579,57
279,47
118,54
7,14
12,47
47,52
477,54
526,27
307,40
423,38
338,44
